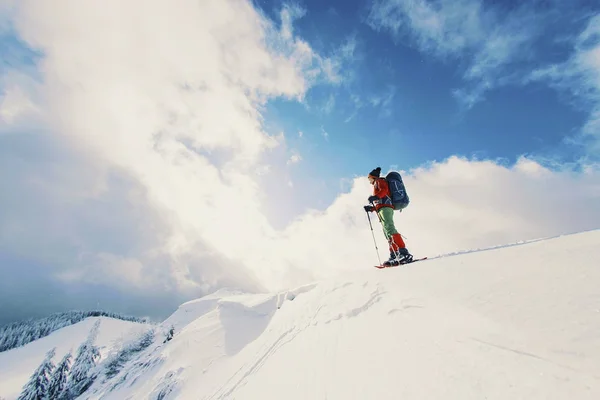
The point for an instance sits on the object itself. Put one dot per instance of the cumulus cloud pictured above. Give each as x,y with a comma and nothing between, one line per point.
150,116
456,205
460,204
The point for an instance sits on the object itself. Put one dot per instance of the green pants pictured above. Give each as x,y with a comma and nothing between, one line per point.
386,214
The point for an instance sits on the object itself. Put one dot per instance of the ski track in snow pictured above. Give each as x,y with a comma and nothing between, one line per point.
262,356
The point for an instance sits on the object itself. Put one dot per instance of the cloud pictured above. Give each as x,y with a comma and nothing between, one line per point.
15,104
440,27
356,104
316,67
381,100
74,232
488,41
484,203
289,13
294,158
337,65
329,104
140,172
456,205
136,184
580,75
384,101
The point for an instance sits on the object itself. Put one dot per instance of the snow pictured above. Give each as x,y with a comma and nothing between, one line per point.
514,322
17,365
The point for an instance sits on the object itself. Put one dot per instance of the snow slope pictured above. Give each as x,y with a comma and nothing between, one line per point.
17,365
519,322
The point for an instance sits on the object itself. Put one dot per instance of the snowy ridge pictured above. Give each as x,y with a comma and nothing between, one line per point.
502,246
515,322
508,323
216,327
17,334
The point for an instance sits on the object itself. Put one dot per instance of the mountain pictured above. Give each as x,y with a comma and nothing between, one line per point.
514,322
18,364
20,333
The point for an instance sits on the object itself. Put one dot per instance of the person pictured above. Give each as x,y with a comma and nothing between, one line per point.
381,203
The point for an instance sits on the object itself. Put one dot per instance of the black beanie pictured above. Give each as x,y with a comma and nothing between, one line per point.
376,172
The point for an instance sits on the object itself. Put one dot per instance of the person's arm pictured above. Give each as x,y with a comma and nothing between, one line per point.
379,190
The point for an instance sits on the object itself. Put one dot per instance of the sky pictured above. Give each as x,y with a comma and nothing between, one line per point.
152,153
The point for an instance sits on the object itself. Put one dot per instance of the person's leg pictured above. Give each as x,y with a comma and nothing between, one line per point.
387,220
397,246
391,233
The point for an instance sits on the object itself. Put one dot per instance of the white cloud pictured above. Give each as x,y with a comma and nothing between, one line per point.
329,104
455,205
289,13
294,158
341,57
357,103
316,67
381,100
15,104
170,97
580,75
461,29
441,27
384,101
17,108
6,10
144,175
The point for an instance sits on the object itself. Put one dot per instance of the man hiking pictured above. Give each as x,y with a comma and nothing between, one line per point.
381,203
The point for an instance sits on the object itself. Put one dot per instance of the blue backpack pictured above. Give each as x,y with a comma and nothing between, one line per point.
398,193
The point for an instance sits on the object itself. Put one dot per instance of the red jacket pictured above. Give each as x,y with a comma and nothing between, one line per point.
382,191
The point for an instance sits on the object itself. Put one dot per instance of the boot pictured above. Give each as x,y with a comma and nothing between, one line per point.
402,256
398,252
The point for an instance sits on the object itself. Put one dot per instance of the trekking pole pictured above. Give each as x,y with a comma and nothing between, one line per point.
389,239
373,233
380,221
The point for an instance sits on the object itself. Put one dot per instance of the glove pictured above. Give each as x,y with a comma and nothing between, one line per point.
372,198
369,208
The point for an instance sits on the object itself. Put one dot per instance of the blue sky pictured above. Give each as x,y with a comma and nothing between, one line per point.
211,144
396,102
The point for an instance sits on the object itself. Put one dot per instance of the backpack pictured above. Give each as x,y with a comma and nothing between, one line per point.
398,193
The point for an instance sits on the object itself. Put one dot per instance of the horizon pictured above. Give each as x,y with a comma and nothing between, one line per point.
151,154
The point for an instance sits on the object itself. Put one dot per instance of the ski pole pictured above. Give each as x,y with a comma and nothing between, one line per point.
373,233
389,238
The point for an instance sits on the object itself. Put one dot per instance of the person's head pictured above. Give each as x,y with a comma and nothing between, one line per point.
373,175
